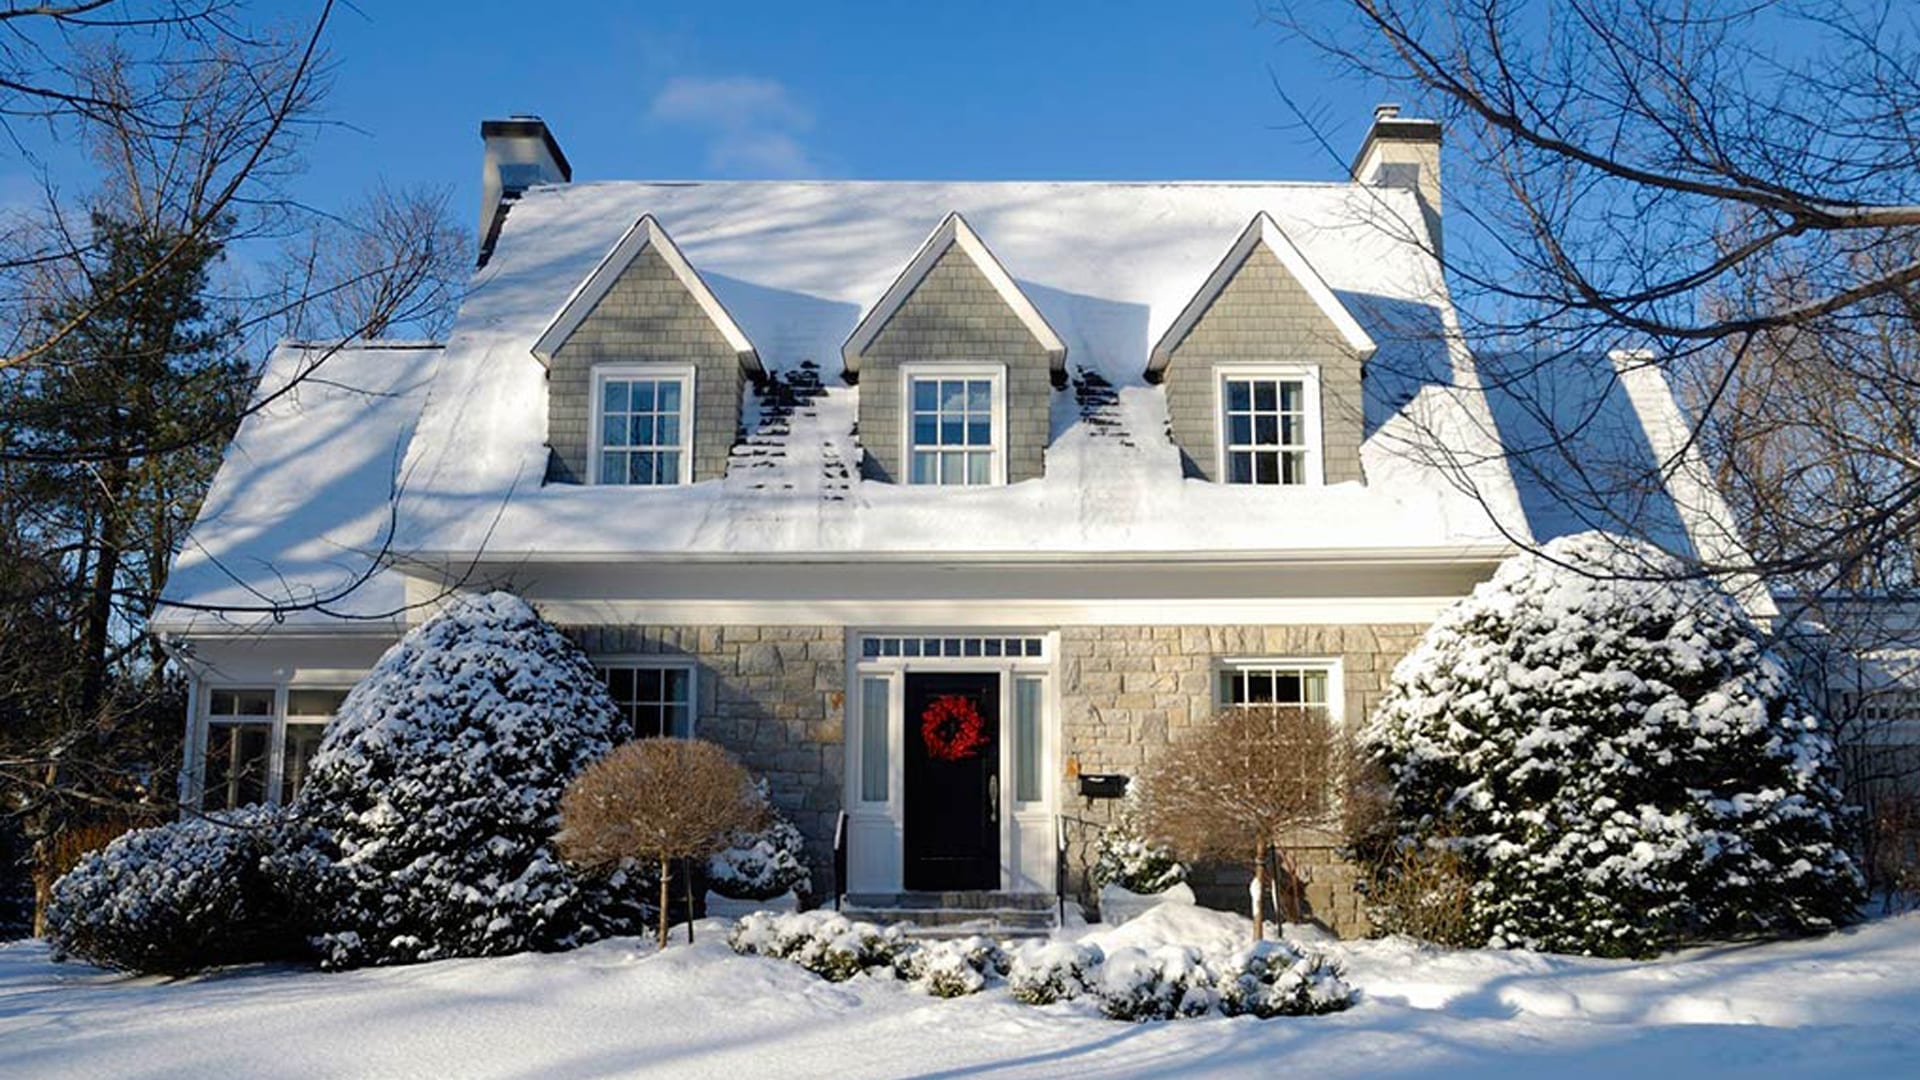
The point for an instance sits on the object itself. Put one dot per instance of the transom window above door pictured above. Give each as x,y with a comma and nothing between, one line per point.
642,427
955,433
1269,427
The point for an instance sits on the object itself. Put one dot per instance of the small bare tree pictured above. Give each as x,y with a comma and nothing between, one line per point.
1233,788
656,800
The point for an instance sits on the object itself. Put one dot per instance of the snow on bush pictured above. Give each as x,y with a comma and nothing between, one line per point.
763,863
1274,978
1123,856
954,967
440,781
1043,972
182,897
1618,759
1163,983
824,942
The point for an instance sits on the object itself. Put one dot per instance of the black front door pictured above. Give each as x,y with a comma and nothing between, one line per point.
952,782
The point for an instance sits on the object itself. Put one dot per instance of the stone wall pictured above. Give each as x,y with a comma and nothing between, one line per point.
648,316
955,315
772,695
1126,692
1264,316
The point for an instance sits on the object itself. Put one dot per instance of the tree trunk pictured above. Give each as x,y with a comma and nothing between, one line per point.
689,876
666,872
1258,890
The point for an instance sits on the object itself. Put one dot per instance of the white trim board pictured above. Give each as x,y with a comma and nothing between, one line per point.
988,614
953,231
644,234
1261,231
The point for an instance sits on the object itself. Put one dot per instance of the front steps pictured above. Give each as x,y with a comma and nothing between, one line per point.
958,914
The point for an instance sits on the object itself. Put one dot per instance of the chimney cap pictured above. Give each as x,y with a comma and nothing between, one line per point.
1386,110
528,126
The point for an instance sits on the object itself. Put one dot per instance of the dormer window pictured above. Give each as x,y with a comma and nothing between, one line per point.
955,430
1269,425
643,434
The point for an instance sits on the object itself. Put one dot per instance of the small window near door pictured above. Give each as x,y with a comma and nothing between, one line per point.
652,700
1267,428
875,744
1027,748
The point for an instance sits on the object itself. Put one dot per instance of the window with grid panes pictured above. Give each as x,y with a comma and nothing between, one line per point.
642,438
1264,425
1270,684
238,760
951,430
651,700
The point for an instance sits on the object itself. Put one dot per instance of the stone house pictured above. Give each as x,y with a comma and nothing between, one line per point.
802,464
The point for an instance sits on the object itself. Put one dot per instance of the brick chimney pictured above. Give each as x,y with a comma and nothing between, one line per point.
520,152
1400,152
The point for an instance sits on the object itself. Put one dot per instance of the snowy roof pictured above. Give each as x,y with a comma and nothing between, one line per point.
1107,266
300,511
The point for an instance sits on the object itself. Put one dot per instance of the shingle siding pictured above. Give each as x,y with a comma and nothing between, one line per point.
648,315
1264,316
955,315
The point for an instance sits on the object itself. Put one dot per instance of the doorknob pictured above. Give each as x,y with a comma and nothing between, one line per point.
993,799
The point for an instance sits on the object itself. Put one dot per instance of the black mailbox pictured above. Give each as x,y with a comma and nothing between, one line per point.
1103,785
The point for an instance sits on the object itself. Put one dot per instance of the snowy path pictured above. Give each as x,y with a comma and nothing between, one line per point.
1843,1005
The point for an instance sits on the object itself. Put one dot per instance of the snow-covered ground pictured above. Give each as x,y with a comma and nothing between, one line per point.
1848,1004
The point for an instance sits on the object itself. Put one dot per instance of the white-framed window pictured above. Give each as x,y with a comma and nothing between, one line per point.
652,698
1257,682
642,424
1269,424
954,424
258,742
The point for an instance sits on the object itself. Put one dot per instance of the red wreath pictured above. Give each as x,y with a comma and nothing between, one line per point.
952,728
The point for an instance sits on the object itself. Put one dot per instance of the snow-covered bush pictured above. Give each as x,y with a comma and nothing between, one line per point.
824,942
763,863
1043,972
181,897
440,781
1618,759
1163,983
953,968
1123,856
1273,978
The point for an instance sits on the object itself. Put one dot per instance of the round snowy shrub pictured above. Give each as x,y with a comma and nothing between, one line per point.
1164,983
1123,856
1273,978
440,782
762,863
824,942
953,968
182,897
1617,759
1043,972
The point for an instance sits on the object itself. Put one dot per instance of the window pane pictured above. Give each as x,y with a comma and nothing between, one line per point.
613,430
1292,430
1239,395
643,395
314,702
875,761
241,703
668,397
613,396
926,395
1286,688
926,429
979,431
1260,687
953,395
620,684
1266,468
238,756
1293,468
1232,688
1266,430
979,468
953,468
646,685
925,466
1240,468
679,721
953,431
1240,429
1291,394
668,471
1026,740
613,468
1315,684
302,741
1264,397
980,396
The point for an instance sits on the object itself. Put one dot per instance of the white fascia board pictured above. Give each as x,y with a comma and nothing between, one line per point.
1261,231
1702,509
1464,554
645,233
952,231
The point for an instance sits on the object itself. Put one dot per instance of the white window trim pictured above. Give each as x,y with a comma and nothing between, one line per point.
1309,373
648,370
925,369
1333,666
659,662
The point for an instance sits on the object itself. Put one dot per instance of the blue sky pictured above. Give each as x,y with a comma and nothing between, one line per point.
1067,90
